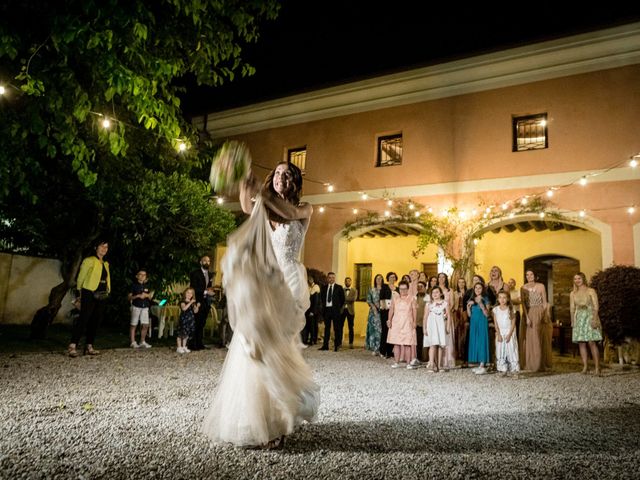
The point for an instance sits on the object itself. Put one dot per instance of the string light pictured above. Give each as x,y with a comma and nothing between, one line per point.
329,187
474,212
476,241
411,206
364,196
2,90
631,210
582,213
182,146
583,181
389,202
633,163
417,214
505,205
524,201
541,214
550,193
106,124
321,209
355,211
387,213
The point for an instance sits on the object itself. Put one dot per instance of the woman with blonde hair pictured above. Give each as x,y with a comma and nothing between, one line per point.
585,321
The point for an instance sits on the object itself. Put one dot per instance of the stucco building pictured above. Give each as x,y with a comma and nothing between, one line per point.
487,131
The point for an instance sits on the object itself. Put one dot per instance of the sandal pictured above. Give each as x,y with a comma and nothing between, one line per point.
88,350
73,353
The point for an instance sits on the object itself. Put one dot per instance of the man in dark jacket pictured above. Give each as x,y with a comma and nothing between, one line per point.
200,281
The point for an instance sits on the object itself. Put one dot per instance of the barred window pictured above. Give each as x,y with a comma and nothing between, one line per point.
530,132
389,150
298,156
363,280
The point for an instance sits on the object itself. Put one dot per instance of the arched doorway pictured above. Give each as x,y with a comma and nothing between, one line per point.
556,273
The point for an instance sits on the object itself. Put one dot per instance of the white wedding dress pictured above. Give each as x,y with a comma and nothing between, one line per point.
265,388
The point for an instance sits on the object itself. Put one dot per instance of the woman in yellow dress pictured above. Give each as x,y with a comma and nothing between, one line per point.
585,321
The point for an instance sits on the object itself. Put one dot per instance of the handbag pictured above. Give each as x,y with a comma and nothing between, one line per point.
101,295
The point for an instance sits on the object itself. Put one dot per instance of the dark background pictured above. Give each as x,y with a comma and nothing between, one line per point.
321,44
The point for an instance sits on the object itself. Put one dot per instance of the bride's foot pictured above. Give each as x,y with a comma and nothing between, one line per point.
275,444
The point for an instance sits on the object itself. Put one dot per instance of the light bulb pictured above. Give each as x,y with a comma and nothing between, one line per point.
582,213
583,181
329,188
106,123
505,206
2,90
631,210
364,196
355,211
541,214
633,163
387,213
321,209
417,214
550,193
220,200
182,146
476,241
389,202
411,206
524,201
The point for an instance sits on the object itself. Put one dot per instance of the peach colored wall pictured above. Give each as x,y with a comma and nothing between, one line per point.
592,125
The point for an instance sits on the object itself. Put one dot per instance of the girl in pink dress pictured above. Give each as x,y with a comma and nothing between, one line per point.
402,327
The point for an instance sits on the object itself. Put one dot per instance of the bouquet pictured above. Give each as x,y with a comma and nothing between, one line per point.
230,166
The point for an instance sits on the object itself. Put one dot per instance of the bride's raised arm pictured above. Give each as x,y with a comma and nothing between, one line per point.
286,209
249,188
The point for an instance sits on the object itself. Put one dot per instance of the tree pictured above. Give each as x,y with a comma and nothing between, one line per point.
66,178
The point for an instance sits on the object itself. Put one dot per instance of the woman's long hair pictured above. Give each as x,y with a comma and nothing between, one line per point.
294,194
584,281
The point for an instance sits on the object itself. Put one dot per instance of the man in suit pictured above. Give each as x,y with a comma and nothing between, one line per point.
332,296
348,310
200,281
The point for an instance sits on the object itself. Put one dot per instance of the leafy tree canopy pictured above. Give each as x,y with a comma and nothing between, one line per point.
65,178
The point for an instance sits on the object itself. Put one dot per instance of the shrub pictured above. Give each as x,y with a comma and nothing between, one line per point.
618,289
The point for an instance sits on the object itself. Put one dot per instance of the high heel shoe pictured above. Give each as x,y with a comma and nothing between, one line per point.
73,353
88,350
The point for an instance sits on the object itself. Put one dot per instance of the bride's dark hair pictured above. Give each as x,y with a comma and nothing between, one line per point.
292,195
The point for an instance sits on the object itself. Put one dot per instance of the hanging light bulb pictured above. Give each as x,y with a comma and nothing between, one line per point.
106,123
355,211
505,205
541,214
488,210
387,213
329,187
389,203
582,213
219,200
550,193
364,196
633,163
524,201
182,146
583,181
321,209
411,206
417,214
511,215
476,241
631,210
430,210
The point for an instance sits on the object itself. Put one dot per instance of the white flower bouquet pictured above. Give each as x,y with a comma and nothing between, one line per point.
230,166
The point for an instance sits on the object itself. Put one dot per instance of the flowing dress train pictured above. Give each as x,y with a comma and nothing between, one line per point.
266,388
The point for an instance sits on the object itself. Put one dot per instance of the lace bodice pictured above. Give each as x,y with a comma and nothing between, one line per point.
286,240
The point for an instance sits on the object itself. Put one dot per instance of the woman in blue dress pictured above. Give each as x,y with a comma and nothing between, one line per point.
374,325
478,329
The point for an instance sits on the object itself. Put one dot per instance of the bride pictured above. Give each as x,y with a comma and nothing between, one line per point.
266,388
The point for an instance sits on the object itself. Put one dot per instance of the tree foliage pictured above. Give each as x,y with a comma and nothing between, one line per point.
618,289
64,179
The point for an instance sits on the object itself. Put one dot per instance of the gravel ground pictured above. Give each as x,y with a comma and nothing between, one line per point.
135,414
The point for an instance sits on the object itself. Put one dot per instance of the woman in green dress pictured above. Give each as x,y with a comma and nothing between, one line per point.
585,321
374,327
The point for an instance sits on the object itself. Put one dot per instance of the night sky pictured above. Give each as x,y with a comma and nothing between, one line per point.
321,44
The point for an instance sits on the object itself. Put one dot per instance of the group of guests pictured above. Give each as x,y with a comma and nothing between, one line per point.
331,304
417,315
94,288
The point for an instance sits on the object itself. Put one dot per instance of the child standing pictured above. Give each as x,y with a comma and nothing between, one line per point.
506,342
402,327
478,329
437,325
187,324
140,299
